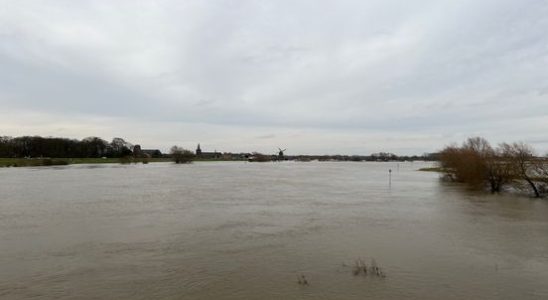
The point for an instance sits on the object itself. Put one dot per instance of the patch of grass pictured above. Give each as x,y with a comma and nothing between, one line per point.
35,162
431,169
116,160
94,160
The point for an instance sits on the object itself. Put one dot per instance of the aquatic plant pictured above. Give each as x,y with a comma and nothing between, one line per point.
301,280
360,267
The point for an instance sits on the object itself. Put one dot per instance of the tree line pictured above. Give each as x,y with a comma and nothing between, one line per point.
479,165
54,147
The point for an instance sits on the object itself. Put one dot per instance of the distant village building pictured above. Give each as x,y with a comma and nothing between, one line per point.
207,155
138,152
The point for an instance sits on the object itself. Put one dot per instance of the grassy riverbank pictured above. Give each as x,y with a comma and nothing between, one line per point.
36,162
431,169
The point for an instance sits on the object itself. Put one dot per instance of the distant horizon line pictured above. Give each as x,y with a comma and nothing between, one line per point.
132,144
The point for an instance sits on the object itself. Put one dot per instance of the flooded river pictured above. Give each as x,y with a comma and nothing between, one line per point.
248,230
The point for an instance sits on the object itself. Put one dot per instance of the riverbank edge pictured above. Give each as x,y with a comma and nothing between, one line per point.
431,169
47,162
44,162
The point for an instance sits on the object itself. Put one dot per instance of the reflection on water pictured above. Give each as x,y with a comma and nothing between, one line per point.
250,230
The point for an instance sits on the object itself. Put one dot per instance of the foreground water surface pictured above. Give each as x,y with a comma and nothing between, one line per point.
247,230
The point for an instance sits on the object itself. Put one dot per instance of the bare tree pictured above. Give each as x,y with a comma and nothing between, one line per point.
540,171
521,158
476,163
181,155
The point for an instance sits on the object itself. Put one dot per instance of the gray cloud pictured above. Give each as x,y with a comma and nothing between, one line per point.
345,76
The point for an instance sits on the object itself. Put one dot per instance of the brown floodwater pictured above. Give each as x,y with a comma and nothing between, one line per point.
219,230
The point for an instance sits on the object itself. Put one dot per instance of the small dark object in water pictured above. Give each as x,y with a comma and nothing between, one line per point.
302,280
361,267
357,268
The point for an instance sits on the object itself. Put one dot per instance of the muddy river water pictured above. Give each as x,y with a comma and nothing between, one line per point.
235,230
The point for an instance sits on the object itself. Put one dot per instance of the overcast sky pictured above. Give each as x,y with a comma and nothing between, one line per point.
321,77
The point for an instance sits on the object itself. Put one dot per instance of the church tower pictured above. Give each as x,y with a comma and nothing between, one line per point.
198,150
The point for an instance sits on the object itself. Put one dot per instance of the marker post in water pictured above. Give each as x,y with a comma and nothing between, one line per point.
389,177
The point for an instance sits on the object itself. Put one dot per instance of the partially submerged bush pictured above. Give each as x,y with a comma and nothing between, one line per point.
126,159
477,164
181,155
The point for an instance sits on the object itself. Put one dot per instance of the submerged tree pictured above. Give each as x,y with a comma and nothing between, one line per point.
527,168
477,164
181,155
